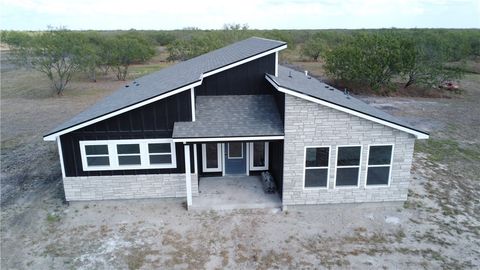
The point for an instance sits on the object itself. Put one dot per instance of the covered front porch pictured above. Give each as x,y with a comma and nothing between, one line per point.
229,143
234,192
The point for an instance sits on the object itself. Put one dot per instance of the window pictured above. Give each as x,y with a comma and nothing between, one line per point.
160,153
258,156
235,150
212,157
379,165
316,167
97,155
348,166
128,154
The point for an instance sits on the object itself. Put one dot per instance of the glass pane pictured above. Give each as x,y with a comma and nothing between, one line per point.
348,156
212,155
128,148
98,161
159,148
96,149
316,178
378,175
347,177
259,154
160,159
129,160
380,155
317,157
235,150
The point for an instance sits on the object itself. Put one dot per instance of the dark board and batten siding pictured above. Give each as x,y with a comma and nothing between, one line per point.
154,120
276,163
245,79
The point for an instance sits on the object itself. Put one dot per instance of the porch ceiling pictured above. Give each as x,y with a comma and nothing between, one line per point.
232,116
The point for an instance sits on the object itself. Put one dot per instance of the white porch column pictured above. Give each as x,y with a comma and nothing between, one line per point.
188,175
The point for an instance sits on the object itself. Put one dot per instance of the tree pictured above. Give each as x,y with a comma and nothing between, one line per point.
56,53
94,54
127,50
183,49
424,61
372,59
314,46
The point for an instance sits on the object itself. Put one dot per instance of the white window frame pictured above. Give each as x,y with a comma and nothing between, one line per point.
113,155
359,166
219,167
384,165
252,166
305,168
228,150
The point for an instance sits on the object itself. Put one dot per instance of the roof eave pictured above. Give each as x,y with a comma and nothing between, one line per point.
418,134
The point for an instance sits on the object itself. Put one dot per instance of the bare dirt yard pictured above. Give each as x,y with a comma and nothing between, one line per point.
438,227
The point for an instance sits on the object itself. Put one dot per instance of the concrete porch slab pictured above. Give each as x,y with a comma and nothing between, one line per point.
233,192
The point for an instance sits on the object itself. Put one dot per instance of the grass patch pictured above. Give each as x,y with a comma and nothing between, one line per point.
52,218
444,149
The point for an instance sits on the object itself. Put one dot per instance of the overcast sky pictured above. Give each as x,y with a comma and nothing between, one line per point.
258,14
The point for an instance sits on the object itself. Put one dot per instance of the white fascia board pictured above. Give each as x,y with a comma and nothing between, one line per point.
52,137
60,155
417,134
215,71
228,139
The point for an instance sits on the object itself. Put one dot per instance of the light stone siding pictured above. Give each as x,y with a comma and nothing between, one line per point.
312,124
84,188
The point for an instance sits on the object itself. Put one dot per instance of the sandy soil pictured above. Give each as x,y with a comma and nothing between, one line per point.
438,227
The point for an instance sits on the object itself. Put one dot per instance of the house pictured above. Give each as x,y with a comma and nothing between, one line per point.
235,111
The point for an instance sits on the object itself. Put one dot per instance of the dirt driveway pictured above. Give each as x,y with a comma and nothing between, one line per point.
438,227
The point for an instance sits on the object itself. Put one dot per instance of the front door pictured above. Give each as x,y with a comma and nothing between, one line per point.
235,158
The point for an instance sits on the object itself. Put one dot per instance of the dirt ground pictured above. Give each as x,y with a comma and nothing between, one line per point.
438,227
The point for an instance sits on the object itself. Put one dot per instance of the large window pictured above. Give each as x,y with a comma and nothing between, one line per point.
128,154
348,166
316,167
258,156
211,157
379,165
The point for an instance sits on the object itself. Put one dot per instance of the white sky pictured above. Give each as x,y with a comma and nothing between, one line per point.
258,14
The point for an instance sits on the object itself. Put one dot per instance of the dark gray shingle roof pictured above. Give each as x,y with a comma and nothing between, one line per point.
171,78
300,83
232,116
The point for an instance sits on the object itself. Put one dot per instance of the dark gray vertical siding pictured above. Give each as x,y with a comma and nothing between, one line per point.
246,79
276,163
154,120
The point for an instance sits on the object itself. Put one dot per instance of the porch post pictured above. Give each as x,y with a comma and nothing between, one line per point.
188,175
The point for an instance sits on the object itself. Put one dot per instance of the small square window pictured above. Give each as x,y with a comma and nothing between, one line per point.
235,150
380,155
317,157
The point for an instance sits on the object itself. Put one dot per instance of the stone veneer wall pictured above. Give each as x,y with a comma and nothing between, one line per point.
85,188
312,124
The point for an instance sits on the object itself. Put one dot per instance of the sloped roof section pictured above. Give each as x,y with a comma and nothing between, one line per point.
299,83
232,116
172,78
